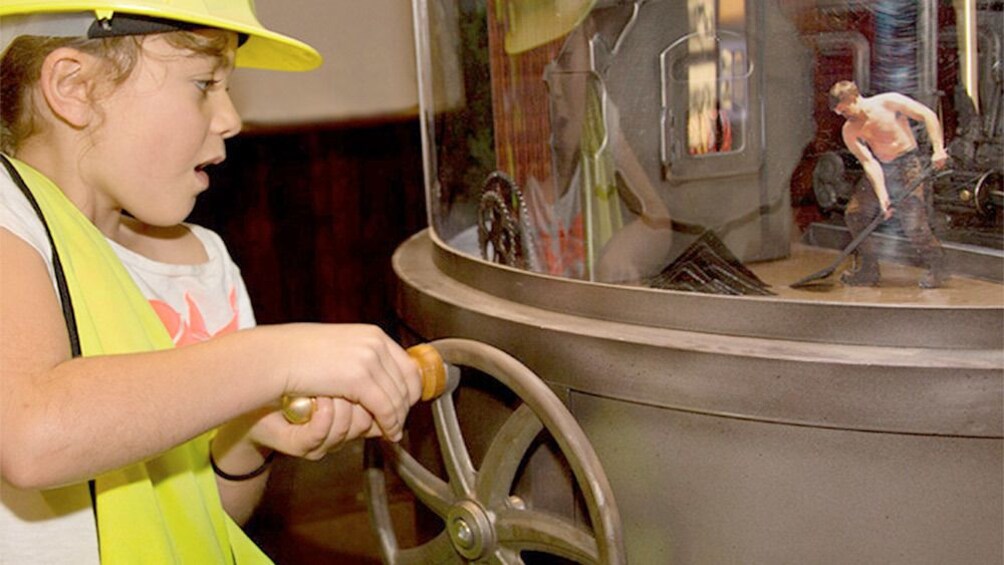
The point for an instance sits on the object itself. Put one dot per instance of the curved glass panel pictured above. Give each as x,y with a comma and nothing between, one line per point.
818,150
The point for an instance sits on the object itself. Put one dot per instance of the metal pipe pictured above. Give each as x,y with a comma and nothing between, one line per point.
965,18
927,52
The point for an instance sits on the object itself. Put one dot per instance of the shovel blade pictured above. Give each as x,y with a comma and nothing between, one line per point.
813,279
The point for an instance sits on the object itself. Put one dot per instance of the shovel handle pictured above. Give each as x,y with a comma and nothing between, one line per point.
299,409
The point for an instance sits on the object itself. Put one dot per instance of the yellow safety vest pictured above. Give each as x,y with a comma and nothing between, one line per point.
165,510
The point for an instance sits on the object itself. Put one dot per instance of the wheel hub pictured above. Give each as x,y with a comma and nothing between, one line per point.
471,529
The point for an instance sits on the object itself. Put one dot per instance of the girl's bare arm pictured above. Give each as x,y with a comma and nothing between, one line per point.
66,420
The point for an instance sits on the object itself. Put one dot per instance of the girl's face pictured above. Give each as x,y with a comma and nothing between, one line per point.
159,131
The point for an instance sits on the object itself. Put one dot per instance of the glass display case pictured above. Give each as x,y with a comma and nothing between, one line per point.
691,145
756,247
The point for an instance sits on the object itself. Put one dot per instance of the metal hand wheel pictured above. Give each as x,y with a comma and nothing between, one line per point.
483,522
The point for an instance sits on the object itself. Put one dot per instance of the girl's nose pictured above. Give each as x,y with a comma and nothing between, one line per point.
227,120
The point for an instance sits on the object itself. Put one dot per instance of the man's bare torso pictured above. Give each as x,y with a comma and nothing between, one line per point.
886,131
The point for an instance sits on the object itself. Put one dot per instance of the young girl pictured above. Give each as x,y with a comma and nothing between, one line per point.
127,431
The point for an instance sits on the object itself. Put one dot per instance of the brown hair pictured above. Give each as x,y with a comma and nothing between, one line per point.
21,68
843,91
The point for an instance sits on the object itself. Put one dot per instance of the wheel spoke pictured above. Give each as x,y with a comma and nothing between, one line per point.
379,509
505,454
536,531
438,551
451,443
430,490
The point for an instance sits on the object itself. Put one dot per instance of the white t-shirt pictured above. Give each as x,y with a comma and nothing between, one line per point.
195,302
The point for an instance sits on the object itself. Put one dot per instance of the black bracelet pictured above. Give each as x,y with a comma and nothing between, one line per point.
246,476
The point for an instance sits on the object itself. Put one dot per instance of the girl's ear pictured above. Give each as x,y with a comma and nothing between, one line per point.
66,83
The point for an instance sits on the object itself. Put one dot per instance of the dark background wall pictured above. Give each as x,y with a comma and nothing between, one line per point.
312,217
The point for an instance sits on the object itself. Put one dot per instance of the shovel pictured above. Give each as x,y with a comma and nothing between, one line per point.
812,279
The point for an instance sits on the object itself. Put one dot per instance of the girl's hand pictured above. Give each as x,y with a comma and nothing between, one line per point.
357,363
335,422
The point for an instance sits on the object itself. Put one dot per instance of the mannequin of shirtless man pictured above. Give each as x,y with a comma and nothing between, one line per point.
877,132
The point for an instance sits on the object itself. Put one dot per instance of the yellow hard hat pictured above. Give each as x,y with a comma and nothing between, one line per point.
263,49
532,23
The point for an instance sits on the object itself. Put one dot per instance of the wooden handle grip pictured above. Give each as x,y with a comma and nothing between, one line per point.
299,409
431,369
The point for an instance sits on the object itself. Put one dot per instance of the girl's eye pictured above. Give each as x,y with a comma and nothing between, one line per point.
206,85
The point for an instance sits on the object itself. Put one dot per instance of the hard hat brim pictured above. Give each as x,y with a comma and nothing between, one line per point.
264,49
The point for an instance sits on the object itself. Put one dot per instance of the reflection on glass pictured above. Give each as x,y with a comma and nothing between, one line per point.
625,226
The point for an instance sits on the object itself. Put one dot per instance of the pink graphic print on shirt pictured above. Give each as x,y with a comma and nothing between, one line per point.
192,330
